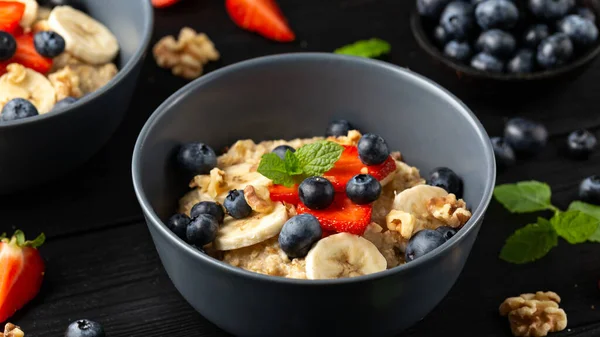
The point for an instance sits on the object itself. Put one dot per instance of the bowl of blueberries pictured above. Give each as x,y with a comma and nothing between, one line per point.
509,41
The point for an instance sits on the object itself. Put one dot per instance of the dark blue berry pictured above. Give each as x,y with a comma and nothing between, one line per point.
525,136
554,51
338,128
497,43
446,231
316,192
460,51
208,207
422,243
447,179
363,189
17,108
64,103
197,158
202,230
178,224
372,149
581,31
282,149
298,235
535,34
586,13
551,9
505,156
48,43
236,204
523,62
85,328
487,62
501,14
581,143
8,46
589,190
431,8
457,20
440,36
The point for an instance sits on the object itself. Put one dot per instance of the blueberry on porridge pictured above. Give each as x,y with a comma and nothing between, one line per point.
316,208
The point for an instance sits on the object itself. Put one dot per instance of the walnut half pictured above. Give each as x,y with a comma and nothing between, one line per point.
449,210
534,315
11,330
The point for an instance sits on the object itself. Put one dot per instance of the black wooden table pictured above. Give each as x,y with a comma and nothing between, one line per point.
101,263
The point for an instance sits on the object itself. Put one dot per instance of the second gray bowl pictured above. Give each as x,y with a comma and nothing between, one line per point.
297,95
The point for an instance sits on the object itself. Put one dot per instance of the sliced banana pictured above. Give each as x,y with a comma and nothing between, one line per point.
343,255
85,38
21,82
239,233
414,200
31,11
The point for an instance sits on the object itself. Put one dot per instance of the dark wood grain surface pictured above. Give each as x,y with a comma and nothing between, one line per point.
101,263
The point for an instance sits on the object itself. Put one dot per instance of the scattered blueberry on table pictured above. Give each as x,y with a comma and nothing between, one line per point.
581,143
505,156
589,190
525,136
85,328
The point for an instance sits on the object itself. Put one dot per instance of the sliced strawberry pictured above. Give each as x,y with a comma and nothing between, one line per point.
11,13
342,216
285,194
28,56
261,16
163,3
21,274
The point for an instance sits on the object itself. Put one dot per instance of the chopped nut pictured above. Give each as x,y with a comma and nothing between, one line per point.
351,139
66,83
449,210
186,56
258,204
396,155
11,330
401,222
16,73
217,184
534,314
76,79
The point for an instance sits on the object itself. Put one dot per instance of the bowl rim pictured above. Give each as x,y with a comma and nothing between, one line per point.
146,12
165,108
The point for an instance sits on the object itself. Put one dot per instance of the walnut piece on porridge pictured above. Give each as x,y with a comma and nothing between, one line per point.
256,202
534,314
401,222
449,210
351,139
11,330
66,83
187,55
77,79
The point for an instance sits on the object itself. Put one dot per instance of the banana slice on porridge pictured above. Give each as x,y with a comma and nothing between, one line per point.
414,200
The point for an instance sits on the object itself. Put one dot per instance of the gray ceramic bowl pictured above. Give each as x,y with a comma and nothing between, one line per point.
40,148
296,95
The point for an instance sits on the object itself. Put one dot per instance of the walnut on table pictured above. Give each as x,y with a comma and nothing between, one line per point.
11,330
534,315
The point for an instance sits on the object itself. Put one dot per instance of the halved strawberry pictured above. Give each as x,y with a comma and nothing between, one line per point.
11,13
342,216
285,194
21,272
163,3
261,16
27,56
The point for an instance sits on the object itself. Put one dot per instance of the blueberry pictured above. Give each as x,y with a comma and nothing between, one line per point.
589,190
586,13
550,9
77,4
236,204
581,31
202,230
208,207
431,8
440,36
535,34
8,46
525,136
505,156
523,62
372,149
198,158
501,14
496,43
48,43
363,189
460,51
64,103
446,231
178,224
282,149
447,179
298,235
85,328
422,243
316,192
457,20
338,128
581,143
487,62
554,51
17,108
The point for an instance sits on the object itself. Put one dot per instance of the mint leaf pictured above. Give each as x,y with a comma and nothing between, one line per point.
318,158
274,168
292,164
574,226
365,48
591,210
529,243
524,197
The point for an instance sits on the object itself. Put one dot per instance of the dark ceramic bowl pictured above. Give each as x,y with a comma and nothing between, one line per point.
297,95
40,148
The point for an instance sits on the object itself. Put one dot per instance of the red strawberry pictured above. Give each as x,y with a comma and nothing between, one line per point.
21,273
342,216
28,56
163,3
10,16
285,194
261,16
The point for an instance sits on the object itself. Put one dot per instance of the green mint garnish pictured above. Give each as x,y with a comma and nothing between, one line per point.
366,48
574,226
591,210
529,243
524,197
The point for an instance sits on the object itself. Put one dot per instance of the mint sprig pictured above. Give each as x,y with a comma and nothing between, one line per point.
365,48
580,223
309,160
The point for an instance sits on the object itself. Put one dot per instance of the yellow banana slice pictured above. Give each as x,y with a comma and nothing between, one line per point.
31,11
414,200
21,82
